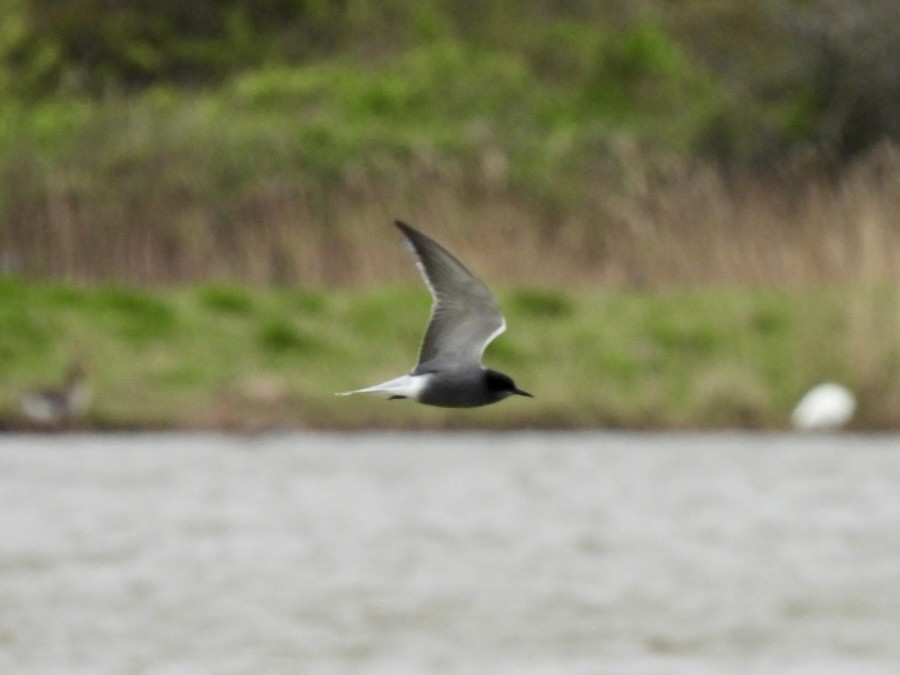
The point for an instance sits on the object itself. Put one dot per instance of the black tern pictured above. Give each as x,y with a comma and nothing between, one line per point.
465,317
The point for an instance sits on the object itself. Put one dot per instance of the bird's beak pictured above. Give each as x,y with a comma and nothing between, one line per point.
522,393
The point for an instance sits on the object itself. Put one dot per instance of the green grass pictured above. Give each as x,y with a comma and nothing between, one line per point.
236,358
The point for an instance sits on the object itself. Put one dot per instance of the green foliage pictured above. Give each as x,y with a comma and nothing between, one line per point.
306,302
544,303
713,358
137,315
95,47
189,129
21,326
447,106
684,335
792,71
227,299
849,52
279,336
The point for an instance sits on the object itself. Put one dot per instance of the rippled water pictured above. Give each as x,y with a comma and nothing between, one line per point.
450,553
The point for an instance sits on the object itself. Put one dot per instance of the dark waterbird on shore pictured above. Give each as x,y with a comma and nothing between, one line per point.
55,407
465,317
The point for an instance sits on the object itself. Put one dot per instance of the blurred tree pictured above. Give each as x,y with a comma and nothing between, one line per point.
99,45
789,71
849,55
95,45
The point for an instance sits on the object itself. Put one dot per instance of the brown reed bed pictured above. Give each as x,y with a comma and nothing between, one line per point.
654,224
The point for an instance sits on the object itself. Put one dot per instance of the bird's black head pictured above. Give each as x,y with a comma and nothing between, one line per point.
500,386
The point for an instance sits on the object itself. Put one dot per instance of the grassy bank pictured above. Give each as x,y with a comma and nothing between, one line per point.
233,358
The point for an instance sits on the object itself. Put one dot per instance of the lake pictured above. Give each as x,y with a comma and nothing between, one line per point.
618,553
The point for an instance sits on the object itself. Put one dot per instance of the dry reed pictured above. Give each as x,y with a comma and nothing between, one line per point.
687,225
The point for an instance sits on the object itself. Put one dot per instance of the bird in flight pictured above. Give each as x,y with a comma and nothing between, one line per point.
465,318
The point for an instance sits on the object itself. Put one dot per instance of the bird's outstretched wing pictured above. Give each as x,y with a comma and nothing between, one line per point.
465,316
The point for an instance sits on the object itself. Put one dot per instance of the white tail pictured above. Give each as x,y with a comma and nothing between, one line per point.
407,386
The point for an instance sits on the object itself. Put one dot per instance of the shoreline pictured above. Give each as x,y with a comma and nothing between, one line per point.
228,358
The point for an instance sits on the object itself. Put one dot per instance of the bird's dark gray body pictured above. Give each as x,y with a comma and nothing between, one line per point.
465,387
465,317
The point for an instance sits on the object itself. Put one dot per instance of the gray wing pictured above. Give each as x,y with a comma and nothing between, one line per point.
465,315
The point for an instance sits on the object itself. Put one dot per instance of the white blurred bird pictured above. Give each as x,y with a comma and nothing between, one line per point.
56,407
826,407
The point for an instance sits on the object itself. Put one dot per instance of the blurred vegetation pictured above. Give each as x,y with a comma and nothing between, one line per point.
219,356
628,143
732,77
163,142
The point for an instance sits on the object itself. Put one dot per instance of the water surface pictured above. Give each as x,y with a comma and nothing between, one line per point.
450,553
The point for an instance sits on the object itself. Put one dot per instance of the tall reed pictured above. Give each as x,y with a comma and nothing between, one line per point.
689,224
